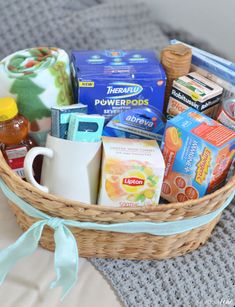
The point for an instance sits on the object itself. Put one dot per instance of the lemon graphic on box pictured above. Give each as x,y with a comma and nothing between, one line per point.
149,193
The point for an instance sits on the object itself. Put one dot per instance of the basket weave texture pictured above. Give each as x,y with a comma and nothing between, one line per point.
104,244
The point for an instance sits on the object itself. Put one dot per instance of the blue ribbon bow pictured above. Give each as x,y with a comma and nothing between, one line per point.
66,252
65,257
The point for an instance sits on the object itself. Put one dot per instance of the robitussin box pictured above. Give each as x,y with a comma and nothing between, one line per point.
112,81
194,91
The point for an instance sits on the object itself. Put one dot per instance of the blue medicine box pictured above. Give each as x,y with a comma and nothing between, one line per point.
111,81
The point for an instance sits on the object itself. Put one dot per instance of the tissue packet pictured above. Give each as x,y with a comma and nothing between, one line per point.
60,117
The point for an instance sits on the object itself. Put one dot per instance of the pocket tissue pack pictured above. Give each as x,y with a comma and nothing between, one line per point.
112,81
60,117
85,128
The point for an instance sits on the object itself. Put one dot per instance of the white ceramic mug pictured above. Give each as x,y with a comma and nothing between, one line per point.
70,169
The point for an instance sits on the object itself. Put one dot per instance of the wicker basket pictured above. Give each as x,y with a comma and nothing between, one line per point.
104,244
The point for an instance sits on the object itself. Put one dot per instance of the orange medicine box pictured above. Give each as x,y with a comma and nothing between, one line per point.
132,172
198,152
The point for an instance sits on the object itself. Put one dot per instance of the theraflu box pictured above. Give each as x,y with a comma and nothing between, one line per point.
198,152
112,81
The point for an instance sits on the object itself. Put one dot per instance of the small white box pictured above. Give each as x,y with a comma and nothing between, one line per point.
132,172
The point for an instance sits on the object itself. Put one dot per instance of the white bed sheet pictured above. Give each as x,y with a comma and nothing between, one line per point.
27,285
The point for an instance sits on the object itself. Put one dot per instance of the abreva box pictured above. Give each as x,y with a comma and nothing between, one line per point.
132,172
198,152
194,91
111,81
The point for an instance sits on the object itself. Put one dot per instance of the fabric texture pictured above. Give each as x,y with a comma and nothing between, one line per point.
28,283
202,278
80,24
38,78
66,252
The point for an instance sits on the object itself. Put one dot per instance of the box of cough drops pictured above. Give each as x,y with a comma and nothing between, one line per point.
132,172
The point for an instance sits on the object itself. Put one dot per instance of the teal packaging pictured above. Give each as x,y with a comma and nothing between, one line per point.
112,81
85,128
60,117
137,123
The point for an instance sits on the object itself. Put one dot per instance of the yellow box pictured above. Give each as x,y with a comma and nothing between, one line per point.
132,172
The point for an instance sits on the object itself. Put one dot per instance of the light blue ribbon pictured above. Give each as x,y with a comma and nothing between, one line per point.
66,252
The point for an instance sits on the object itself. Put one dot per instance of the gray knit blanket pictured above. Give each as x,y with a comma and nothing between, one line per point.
82,24
203,278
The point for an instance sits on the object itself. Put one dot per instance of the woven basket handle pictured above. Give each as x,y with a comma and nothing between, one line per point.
28,165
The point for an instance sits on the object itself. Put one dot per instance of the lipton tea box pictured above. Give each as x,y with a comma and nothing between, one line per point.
132,172
198,152
112,81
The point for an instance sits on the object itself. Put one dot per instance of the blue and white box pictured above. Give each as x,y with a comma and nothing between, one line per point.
112,81
85,128
60,117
